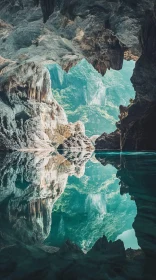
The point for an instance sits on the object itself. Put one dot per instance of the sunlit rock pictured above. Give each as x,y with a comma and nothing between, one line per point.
78,140
30,117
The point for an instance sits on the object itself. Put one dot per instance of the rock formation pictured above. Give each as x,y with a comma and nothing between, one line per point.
90,207
30,118
78,140
103,32
108,141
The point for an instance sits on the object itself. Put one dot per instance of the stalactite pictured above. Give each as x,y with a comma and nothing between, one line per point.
47,8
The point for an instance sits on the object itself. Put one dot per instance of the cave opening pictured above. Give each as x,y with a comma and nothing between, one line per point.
91,98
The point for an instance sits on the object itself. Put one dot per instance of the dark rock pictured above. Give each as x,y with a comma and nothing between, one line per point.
114,251
47,8
140,186
23,262
137,131
108,141
109,158
139,134
69,247
137,174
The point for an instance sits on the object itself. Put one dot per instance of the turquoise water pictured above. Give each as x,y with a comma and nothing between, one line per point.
48,198
87,96
90,207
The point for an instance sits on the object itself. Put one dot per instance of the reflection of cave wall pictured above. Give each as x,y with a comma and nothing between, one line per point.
137,128
30,184
31,221
137,174
105,258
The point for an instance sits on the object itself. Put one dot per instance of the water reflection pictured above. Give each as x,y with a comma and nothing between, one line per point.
90,207
137,174
48,198
30,185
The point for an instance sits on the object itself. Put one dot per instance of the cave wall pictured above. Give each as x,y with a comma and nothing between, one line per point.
137,129
104,32
134,29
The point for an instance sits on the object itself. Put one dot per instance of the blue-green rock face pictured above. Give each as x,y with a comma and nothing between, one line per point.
87,96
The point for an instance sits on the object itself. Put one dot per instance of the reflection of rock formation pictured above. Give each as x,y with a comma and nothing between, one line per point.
90,207
137,174
30,185
106,260
77,159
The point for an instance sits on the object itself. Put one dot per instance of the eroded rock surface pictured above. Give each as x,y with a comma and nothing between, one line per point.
136,121
78,140
30,118
104,32
100,31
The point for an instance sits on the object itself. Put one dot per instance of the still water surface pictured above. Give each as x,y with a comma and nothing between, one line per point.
51,198
92,206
